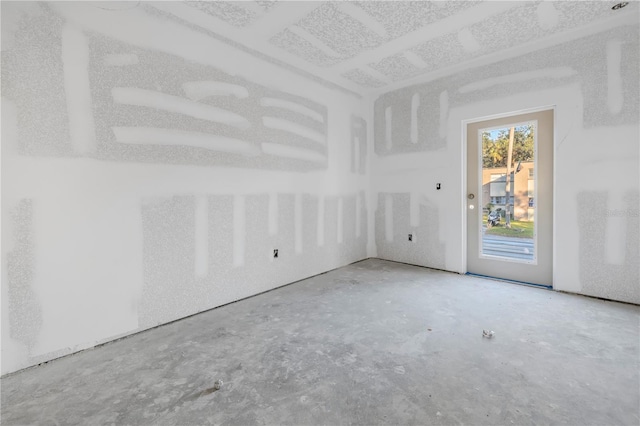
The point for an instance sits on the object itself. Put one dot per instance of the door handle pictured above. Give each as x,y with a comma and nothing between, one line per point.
471,196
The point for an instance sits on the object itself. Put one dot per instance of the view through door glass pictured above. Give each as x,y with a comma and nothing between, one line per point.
507,177
510,197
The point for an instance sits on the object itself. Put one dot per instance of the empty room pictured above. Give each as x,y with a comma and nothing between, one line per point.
305,213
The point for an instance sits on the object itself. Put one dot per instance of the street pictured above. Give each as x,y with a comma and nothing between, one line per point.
510,247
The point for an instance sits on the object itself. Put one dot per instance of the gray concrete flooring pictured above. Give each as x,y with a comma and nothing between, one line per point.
371,343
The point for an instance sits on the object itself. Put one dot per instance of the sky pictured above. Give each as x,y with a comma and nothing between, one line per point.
494,133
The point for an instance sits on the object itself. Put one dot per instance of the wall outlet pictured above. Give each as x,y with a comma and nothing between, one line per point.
410,237
275,253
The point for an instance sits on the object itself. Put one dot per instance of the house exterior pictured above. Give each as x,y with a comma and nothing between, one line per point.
494,190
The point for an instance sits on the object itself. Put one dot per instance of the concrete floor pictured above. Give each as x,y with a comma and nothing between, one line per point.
374,342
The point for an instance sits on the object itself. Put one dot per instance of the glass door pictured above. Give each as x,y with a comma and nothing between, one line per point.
510,197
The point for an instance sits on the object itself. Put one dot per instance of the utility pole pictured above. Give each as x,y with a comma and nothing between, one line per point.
509,183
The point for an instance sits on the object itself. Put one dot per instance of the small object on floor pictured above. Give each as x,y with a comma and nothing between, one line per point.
487,333
217,384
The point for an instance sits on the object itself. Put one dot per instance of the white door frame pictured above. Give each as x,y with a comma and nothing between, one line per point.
464,123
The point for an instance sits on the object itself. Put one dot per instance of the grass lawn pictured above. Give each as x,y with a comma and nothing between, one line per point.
518,229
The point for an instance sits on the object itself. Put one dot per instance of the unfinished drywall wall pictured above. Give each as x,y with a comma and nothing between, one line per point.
419,242
593,84
149,171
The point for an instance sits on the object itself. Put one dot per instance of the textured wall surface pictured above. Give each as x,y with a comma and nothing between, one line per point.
593,83
149,171
393,214
149,105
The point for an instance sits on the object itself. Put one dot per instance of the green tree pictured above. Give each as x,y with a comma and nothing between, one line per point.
494,151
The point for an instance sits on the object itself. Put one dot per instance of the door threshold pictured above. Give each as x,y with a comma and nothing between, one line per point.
547,287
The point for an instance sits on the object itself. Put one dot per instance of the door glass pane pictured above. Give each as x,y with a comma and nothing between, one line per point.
507,179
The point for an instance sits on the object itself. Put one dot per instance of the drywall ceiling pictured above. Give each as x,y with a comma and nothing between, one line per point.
373,46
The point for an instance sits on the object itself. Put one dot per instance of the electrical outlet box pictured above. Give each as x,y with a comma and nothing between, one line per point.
275,253
410,237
